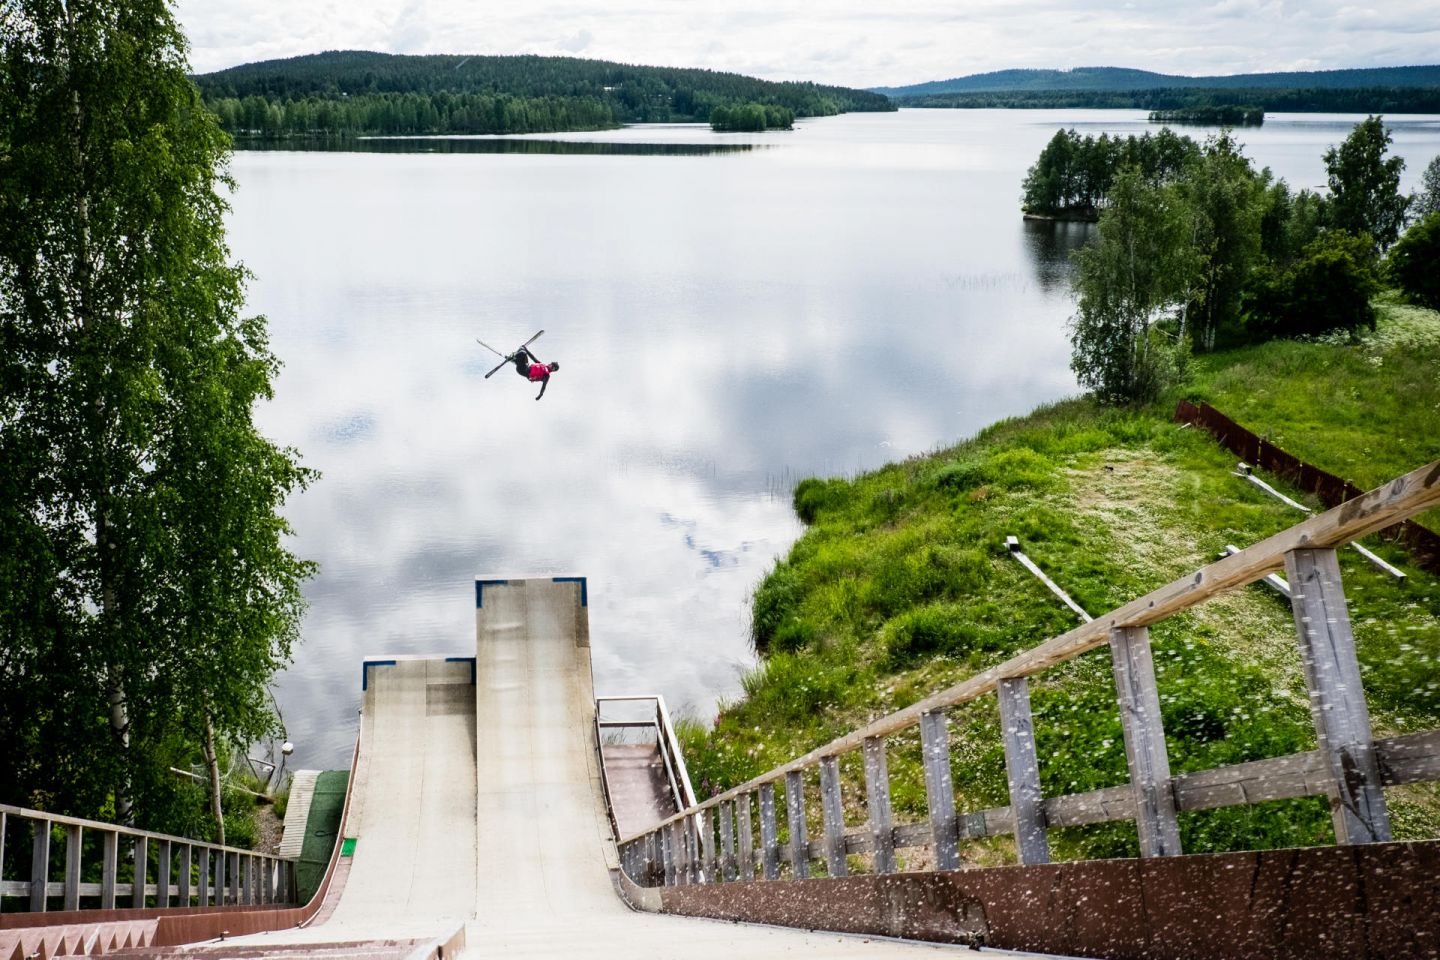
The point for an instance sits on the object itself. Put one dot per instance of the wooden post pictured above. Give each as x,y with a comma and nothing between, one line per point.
877,801
1337,697
72,866
834,816
689,839
687,851
109,861
654,858
1145,752
3,824
727,843
162,871
1022,770
202,871
799,833
707,846
769,833
267,882
182,893
667,854
746,852
940,789
39,865
682,852
235,878
142,858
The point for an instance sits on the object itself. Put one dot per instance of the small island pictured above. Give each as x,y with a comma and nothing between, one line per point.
751,118
1227,115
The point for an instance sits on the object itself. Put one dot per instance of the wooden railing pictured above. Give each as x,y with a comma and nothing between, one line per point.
1349,766
181,872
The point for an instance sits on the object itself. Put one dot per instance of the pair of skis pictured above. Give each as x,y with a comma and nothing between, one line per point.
508,358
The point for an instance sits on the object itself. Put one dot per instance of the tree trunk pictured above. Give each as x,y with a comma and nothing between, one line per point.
85,307
212,763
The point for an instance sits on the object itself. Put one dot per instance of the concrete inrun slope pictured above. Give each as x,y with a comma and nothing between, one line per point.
477,815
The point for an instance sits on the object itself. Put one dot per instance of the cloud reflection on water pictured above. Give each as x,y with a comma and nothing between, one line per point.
726,325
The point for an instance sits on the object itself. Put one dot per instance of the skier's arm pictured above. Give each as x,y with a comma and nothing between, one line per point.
545,382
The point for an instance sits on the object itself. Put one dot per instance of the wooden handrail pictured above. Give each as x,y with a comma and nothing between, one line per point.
1387,504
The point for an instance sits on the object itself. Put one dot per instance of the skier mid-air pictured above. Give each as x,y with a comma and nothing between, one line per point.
533,370
526,363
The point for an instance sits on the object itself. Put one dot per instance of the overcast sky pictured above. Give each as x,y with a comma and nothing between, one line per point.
850,42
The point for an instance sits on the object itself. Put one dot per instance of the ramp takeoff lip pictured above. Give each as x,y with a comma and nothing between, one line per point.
493,815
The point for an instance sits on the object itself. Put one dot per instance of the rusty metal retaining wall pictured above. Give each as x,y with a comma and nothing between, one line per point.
1364,901
1422,543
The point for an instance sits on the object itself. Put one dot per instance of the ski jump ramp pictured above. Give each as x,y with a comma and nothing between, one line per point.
481,807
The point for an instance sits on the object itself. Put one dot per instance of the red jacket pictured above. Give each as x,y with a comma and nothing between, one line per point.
538,372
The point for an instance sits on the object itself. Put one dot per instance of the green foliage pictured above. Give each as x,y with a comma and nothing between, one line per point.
1229,115
956,475
1073,174
1414,262
1216,254
1329,288
1228,201
816,494
409,114
1378,98
145,582
1427,201
1365,186
775,602
945,629
904,585
751,117
1364,410
1140,268
1289,223
347,93
1105,79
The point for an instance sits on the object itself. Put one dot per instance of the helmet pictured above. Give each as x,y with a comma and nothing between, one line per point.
554,365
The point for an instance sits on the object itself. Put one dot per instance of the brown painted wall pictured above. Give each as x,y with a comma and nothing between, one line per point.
1371,901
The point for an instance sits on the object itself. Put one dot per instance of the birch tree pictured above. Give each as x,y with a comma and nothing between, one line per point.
146,589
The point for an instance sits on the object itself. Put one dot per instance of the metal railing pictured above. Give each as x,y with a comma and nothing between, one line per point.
675,772
181,872
676,775
1349,766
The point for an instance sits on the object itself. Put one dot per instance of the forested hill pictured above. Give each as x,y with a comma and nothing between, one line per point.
1121,78
355,92
1377,90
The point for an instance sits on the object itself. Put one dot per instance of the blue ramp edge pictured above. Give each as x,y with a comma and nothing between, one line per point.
365,671
584,598
469,660
480,586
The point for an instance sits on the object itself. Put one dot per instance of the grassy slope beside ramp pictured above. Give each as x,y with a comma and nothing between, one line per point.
902,585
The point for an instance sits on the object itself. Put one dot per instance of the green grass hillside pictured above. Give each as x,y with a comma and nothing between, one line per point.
902,585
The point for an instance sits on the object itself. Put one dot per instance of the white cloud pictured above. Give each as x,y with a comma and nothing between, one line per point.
840,41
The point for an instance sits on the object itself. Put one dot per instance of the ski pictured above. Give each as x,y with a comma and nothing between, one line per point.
511,356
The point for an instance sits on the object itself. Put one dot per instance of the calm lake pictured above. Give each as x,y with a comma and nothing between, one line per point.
727,321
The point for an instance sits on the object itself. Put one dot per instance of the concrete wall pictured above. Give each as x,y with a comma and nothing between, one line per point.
1372,900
